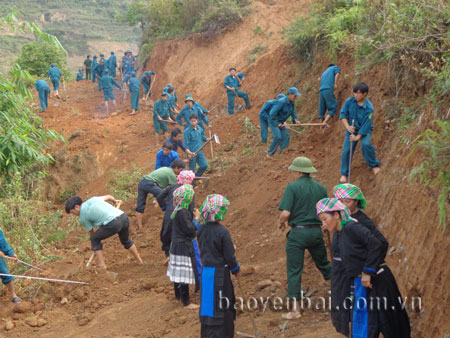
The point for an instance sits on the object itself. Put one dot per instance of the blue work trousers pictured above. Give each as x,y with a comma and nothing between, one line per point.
280,138
4,269
55,83
264,125
43,98
327,101
200,159
368,151
146,88
232,97
135,100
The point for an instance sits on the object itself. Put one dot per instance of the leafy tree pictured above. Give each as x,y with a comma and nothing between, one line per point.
36,58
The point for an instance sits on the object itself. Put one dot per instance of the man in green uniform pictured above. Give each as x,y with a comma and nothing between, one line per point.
298,210
88,66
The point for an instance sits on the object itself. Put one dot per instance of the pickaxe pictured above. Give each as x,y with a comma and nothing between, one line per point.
213,137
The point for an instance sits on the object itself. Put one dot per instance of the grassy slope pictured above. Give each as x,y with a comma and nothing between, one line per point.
74,22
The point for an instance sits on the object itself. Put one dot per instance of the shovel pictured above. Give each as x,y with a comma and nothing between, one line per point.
244,296
305,124
213,137
350,155
150,89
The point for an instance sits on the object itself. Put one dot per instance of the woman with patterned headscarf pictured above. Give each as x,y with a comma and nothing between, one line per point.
352,197
217,314
182,269
165,201
362,293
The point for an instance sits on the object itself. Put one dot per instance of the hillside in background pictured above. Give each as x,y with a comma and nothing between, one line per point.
81,26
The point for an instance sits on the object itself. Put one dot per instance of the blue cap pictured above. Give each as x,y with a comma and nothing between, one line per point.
101,54
241,76
112,52
95,56
52,65
280,96
133,73
80,69
128,51
106,71
164,93
294,91
169,85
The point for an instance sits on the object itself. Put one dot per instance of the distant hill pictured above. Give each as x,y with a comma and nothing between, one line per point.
82,26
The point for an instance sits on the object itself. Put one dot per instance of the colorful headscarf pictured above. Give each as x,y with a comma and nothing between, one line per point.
185,177
333,204
213,209
350,191
182,197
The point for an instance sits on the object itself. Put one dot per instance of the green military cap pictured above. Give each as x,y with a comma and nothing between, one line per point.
303,165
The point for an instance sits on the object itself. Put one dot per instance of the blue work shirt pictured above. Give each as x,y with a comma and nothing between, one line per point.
186,112
232,82
107,83
199,106
174,93
165,160
79,76
41,84
161,109
112,62
176,144
265,110
171,100
54,73
95,212
134,85
98,69
328,76
125,67
4,246
194,138
147,80
362,115
281,110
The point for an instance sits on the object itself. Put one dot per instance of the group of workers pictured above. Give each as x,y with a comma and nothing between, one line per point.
356,116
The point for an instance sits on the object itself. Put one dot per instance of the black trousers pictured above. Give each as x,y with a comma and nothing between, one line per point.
182,292
119,226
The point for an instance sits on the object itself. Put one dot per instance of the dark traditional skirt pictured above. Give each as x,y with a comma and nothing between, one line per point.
217,302
373,311
182,267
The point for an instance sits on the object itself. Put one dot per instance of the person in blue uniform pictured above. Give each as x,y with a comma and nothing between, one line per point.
5,250
232,84
55,76
327,99
107,83
135,90
280,112
189,109
264,117
357,117
112,64
80,75
194,136
146,81
161,114
43,91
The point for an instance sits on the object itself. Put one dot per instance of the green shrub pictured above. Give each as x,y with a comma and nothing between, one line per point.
123,184
28,221
218,16
434,170
36,58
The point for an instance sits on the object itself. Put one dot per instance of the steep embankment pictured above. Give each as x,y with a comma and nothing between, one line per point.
140,301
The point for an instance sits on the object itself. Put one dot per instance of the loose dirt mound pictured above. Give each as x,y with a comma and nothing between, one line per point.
140,302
